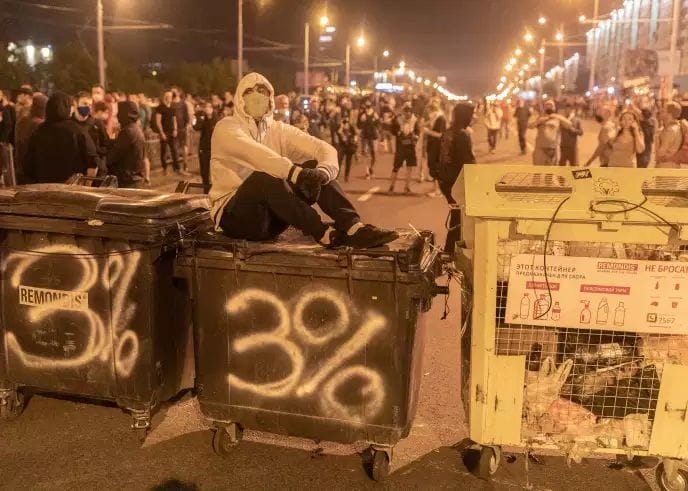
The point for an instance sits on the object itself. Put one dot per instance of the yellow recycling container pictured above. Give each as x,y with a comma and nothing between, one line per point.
577,339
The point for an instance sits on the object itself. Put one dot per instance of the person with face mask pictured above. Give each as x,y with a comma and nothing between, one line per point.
548,138
59,147
205,124
94,127
267,175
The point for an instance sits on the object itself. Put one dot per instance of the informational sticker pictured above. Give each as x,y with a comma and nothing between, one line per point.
44,297
598,293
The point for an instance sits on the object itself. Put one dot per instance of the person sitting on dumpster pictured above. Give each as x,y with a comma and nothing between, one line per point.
266,176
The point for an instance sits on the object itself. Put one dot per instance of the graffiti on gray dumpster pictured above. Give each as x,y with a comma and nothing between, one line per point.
295,337
101,343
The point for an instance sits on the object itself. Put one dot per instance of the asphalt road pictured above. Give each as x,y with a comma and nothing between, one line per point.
62,443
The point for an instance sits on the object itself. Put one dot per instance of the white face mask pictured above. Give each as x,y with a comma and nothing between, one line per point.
256,105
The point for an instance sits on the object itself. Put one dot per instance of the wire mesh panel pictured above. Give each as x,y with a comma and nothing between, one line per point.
596,322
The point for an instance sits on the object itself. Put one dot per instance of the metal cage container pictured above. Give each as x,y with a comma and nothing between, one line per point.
578,336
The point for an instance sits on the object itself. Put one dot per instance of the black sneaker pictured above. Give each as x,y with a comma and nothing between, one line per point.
366,237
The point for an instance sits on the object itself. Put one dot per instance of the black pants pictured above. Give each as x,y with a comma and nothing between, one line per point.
492,138
170,143
368,144
345,160
434,159
522,137
568,156
204,164
643,159
264,206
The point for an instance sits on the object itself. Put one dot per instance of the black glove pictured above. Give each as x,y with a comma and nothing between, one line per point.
308,185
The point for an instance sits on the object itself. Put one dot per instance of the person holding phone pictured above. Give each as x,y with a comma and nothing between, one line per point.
628,141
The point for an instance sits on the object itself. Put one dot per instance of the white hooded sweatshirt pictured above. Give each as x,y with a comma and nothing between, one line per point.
239,146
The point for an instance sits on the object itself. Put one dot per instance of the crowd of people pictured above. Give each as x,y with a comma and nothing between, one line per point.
637,132
98,132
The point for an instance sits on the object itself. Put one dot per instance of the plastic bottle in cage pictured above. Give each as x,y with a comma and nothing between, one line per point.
620,315
585,314
540,309
525,307
604,354
556,311
603,311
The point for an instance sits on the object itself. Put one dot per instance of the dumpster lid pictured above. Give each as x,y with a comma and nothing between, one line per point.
107,204
411,251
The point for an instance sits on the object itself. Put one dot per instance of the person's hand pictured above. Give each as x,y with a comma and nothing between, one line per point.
174,134
309,184
163,137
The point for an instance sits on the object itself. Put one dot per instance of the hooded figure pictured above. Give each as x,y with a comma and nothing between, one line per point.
125,159
266,174
26,126
59,147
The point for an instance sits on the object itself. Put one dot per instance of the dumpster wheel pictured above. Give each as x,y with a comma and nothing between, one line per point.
488,464
679,482
225,438
380,465
13,405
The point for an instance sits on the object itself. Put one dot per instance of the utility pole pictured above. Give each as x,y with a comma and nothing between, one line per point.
348,65
240,40
542,72
306,54
101,45
593,55
672,57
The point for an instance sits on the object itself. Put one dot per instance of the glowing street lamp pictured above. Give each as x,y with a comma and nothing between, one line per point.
541,51
512,61
526,66
518,52
528,37
385,53
419,80
402,64
324,20
582,18
503,79
559,36
427,82
542,20
508,67
360,41
532,60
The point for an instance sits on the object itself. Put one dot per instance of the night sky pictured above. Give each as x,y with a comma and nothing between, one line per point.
466,40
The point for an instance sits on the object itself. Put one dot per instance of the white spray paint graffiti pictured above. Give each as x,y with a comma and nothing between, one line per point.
117,278
330,374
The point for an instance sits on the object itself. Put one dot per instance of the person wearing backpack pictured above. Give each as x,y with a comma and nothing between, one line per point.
672,143
548,137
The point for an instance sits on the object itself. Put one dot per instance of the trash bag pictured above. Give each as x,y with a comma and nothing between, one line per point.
637,394
543,387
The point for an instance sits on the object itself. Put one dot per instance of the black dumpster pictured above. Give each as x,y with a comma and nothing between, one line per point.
303,341
90,305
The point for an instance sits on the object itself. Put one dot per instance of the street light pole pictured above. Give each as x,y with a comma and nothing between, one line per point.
347,77
240,40
306,55
672,57
101,45
593,55
542,72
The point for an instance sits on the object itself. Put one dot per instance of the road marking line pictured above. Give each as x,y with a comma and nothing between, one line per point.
369,194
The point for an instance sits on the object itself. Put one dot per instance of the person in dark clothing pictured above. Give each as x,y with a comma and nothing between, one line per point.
348,145
456,148
437,125
205,124
166,125
522,116
23,131
568,154
94,127
183,123
648,125
7,119
59,147
406,129
368,122
125,158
